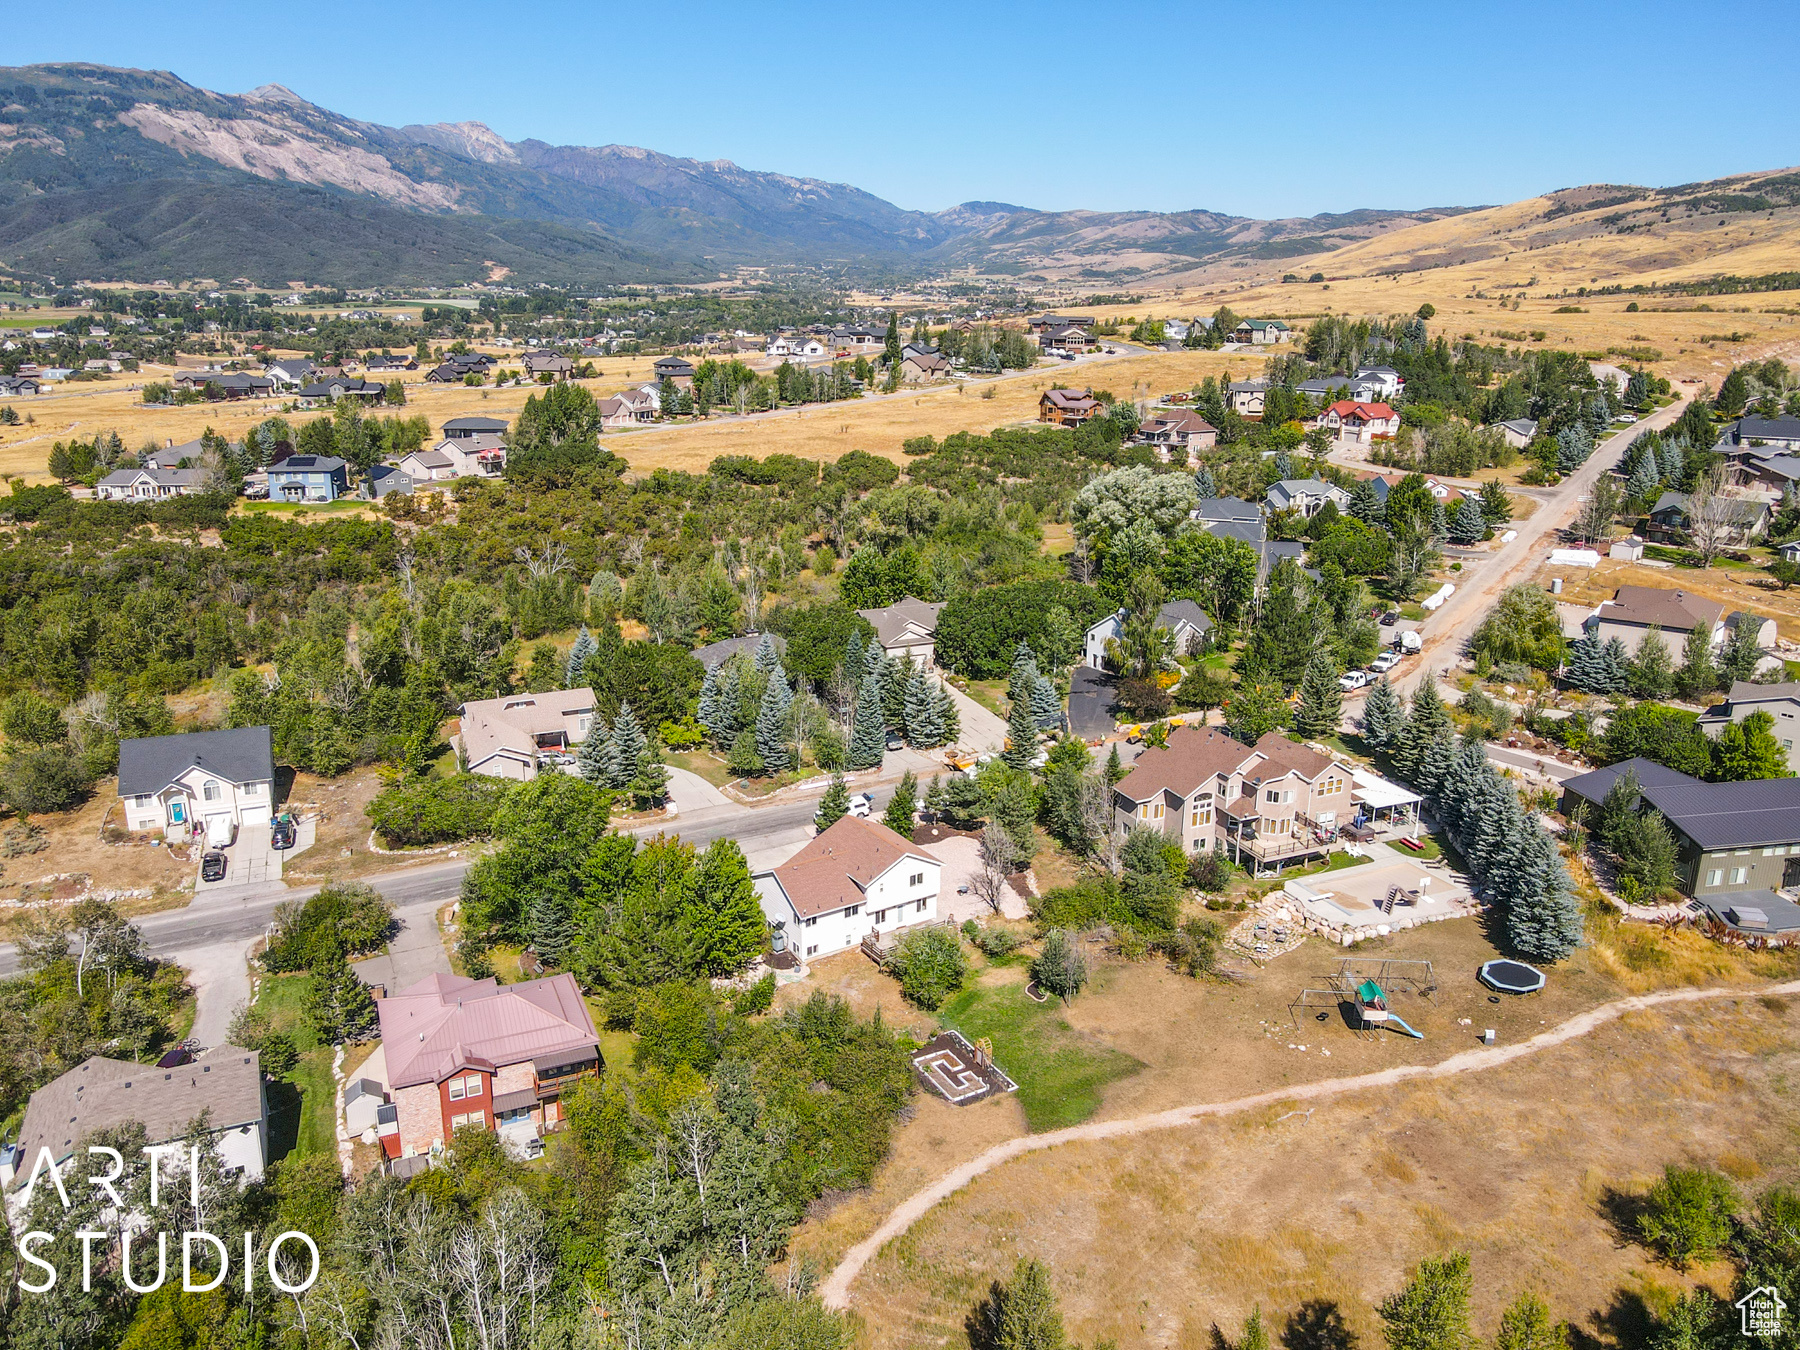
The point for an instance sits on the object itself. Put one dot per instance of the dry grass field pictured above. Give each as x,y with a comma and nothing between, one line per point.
1734,586
1532,1168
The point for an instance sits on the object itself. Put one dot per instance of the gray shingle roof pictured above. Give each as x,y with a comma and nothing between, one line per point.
239,755
1226,508
1183,611
1732,815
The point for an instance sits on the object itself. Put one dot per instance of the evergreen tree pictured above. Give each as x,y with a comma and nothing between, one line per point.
550,927
578,657
1440,521
1204,487
934,796
868,734
629,746
1697,677
1468,527
833,806
1021,736
1432,1312
1496,506
1383,717
1642,483
1046,704
1365,505
1024,673
947,716
708,711
876,661
1284,465
1650,673
905,803
723,912
767,658
1428,721
1734,392
1022,1313
1748,750
594,760
1673,463
1321,700
1543,918
1435,764
1740,653
1114,769
772,723
1574,444
727,705
891,347
853,657
916,710
1592,667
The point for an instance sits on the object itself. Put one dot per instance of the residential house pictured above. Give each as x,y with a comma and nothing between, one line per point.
920,366
1179,429
1735,843
797,346
1210,511
1185,621
292,374
1633,609
1246,397
1361,422
1045,322
1779,433
1305,495
1780,701
512,736
377,363
225,384
1669,523
857,339
17,386
1180,789
211,781
148,485
1261,332
100,1094
387,478
631,408
1291,796
1325,388
907,629
341,386
675,369
1764,470
854,879
460,428
1067,407
309,478
458,366
458,457
1791,550
716,653
1376,384
1518,432
554,364
460,1053
1066,337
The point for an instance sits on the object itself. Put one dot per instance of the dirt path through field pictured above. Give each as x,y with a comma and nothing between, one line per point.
836,1289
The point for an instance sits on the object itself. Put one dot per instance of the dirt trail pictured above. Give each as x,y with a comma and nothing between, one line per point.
836,1289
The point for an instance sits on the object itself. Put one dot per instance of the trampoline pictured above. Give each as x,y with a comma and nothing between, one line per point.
1512,977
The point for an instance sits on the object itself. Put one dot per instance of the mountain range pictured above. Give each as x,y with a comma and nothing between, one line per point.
134,175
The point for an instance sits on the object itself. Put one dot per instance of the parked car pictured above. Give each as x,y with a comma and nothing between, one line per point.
281,834
1384,663
1353,679
212,866
862,804
1391,618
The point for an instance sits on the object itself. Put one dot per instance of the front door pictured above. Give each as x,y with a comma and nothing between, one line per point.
1790,875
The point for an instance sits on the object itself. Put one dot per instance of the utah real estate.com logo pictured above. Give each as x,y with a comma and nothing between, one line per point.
1761,1310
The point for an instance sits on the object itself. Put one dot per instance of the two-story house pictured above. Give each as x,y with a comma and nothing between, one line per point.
458,1053
1067,407
1181,788
907,629
1246,397
309,478
457,457
199,781
1780,701
1185,622
676,370
1261,332
1176,429
1360,422
856,878
464,428
509,737
1305,495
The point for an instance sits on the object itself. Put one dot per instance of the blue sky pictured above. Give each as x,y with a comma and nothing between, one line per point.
1260,109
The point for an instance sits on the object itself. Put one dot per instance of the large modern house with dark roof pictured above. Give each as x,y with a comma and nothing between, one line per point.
856,878
1730,838
215,781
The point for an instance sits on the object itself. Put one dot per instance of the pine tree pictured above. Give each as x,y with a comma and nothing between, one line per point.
1440,521
550,927
629,745
726,707
1022,1314
1573,445
905,803
594,760
1697,677
1428,721
1321,700
1468,527
1526,1324
1650,673
853,656
868,736
1739,656
1024,672
1365,505
833,806
1435,763
1642,483
948,718
1383,717
876,661
1673,464
1432,1312
1114,769
1543,918
1284,465
1046,704
1204,487
1021,736
578,658
708,711
934,796
772,723
916,711
767,658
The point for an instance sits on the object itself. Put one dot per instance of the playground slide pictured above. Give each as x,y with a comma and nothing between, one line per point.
1394,1020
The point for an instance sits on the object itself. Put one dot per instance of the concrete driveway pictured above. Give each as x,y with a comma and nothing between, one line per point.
982,731
416,951
220,975
688,791
961,857
251,861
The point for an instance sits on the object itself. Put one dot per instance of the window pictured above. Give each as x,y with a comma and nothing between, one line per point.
1159,811
813,950
1202,813
212,790
456,1089
469,1086
919,906
1714,877
852,911
808,923
916,879
252,789
1331,784
142,799
1738,874
881,916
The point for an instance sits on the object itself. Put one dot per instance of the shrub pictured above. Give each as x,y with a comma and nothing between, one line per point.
758,998
1687,1214
1194,946
436,810
930,965
992,941
1209,871
1061,967
46,779
336,921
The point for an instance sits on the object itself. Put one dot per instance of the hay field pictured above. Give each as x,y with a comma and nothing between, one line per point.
1532,1168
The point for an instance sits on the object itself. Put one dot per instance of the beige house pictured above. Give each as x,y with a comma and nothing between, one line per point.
1780,701
518,735
478,456
907,628
921,367
205,784
1633,609
1177,429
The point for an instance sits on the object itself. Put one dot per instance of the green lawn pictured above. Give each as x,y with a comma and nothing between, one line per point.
302,1112
1060,1072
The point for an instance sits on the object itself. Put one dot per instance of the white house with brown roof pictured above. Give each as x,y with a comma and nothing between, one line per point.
856,878
478,456
907,628
457,1052
1360,422
1633,609
515,736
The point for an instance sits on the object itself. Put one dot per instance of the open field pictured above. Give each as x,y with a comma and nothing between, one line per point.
1532,1167
1736,586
